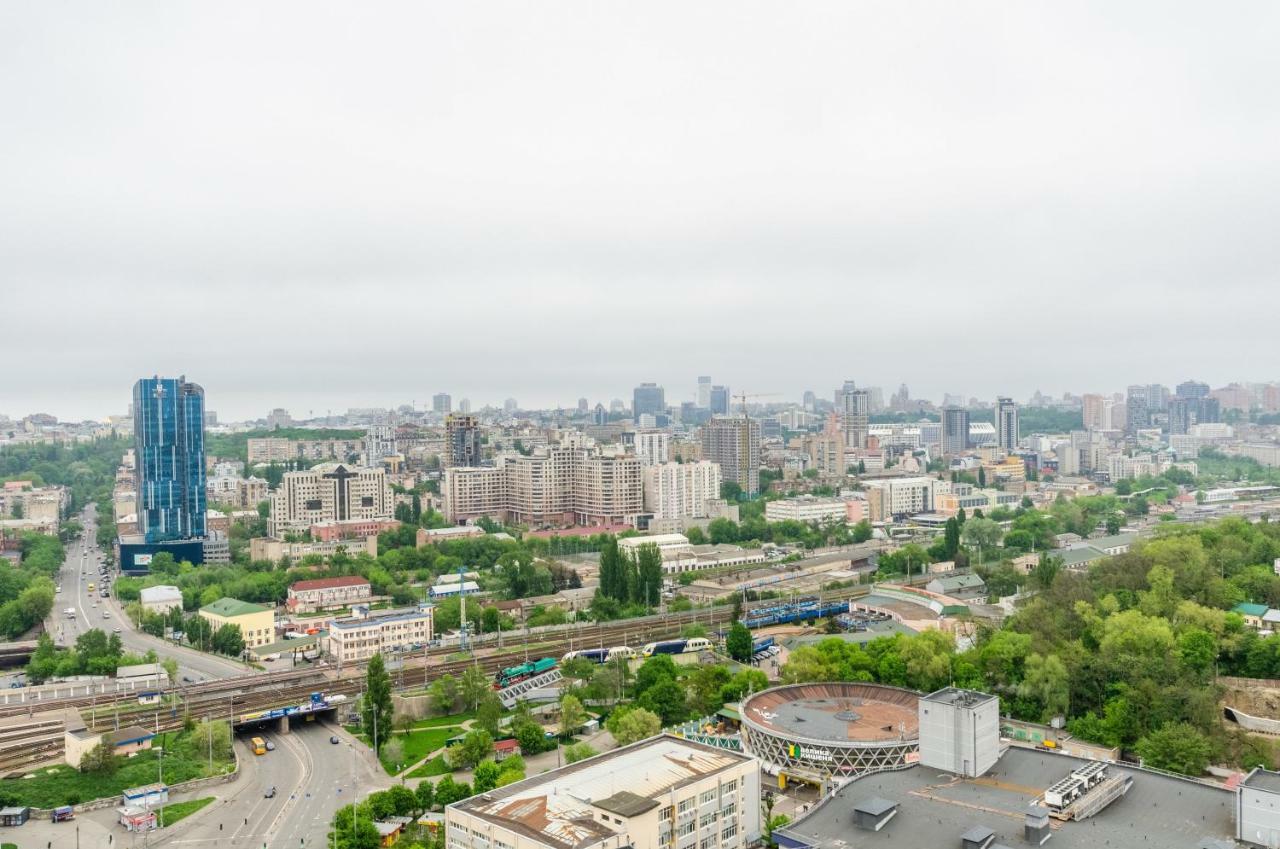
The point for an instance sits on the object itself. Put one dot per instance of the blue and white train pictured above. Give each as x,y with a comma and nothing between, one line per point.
689,646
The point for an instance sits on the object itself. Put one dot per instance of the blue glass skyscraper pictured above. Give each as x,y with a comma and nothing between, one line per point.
168,418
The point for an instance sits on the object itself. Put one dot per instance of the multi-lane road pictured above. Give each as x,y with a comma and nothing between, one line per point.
91,610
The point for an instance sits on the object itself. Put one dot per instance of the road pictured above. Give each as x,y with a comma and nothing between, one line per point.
81,569
312,777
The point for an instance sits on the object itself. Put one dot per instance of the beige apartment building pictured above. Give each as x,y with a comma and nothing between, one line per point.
328,492
681,490
661,793
556,486
272,449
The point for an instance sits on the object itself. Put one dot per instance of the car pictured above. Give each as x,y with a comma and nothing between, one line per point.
270,794
186,679
271,747
333,738
106,614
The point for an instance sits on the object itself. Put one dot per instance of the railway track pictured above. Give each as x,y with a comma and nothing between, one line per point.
226,698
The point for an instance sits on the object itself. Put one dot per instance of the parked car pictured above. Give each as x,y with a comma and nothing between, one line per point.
270,794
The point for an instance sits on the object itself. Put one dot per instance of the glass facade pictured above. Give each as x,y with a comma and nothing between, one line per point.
169,451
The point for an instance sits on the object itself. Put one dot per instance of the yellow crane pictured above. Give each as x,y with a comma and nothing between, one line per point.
743,396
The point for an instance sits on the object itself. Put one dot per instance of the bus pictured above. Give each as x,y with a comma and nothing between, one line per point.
259,746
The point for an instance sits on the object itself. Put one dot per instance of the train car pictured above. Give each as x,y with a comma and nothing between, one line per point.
761,644
593,655
693,644
515,674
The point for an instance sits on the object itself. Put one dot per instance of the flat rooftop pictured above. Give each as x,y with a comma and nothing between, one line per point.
935,808
1263,779
556,808
836,712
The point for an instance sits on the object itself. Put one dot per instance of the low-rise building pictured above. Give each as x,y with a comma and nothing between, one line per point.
351,528
327,594
811,508
267,548
431,536
358,638
255,621
660,793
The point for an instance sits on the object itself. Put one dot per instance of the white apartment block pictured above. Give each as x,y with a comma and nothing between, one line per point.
652,446
661,793
235,491
272,449
555,486
808,508
358,638
328,492
681,490
901,496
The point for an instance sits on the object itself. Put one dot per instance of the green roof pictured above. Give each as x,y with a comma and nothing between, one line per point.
228,607
1248,609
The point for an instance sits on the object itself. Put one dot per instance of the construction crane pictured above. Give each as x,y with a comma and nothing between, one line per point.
743,396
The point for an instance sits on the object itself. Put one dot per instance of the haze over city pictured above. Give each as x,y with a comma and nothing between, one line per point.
311,208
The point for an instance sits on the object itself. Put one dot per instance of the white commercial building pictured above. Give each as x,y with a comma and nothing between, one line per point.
360,637
681,490
161,599
329,492
809,508
901,496
661,793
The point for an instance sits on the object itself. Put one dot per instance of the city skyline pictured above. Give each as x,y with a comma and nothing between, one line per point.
235,405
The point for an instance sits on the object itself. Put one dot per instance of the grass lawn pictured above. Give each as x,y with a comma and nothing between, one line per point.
433,767
444,721
64,785
171,814
417,745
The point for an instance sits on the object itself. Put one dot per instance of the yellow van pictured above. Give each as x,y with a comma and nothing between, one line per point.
259,746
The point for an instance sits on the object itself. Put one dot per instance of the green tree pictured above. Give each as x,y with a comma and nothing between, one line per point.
485,776
449,791
1177,747
474,686
443,694
578,752
227,640
572,715
1048,684
738,642
376,709
426,795
630,726
666,699
489,713
982,534
100,760
475,747
403,801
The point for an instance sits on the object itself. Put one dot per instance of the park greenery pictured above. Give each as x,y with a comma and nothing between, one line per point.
94,653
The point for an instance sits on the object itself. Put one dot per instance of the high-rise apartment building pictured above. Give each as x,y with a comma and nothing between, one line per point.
652,446
704,391
442,403
552,487
168,436
510,406
719,400
329,492
1137,414
681,490
647,398
1006,424
955,430
461,441
855,417
464,406
1096,412
733,442
279,417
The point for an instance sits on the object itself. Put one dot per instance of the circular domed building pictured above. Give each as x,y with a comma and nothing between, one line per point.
834,729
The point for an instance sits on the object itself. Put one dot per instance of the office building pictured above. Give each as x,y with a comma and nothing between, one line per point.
811,508
681,490
442,403
327,593
719,401
600,416
461,441
1137,412
279,417
855,411
704,391
255,621
1006,424
328,492
733,443
160,599
893,497
1192,389
955,430
665,792
169,452
361,636
647,398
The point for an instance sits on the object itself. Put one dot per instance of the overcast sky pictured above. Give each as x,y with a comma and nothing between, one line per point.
318,205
